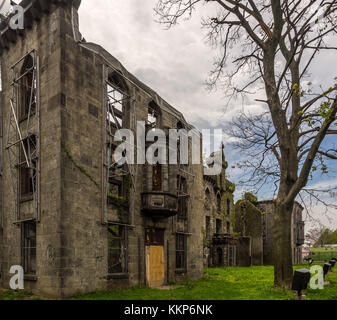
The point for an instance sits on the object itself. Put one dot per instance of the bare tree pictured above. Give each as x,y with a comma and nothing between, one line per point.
275,44
314,234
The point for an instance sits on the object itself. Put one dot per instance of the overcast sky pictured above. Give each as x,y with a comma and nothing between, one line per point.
176,63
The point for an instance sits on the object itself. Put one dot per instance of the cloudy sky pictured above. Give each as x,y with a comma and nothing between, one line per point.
176,63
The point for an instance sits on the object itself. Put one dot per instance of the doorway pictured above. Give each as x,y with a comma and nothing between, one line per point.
155,262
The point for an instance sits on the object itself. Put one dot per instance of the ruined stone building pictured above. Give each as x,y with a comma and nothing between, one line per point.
254,219
218,205
71,216
297,234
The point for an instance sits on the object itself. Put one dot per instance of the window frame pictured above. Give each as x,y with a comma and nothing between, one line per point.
182,200
26,259
26,86
181,253
123,249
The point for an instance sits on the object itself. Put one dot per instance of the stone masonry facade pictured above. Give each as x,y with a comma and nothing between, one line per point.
75,220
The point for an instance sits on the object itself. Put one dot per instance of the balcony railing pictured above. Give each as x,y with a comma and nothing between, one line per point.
159,204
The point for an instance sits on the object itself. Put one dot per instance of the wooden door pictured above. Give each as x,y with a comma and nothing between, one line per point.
155,268
155,262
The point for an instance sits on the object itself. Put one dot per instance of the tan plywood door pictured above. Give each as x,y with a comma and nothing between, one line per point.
155,266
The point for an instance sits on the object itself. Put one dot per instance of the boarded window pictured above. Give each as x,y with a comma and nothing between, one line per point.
181,251
28,247
157,177
117,249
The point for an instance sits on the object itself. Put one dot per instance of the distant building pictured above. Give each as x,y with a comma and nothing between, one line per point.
255,220
297,234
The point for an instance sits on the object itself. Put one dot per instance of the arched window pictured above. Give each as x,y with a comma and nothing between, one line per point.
117,93
153,115
27,88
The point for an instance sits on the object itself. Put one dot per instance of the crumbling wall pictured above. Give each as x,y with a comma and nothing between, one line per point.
248,222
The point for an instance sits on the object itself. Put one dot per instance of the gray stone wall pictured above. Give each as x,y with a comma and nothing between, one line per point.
45,38
72,238
297,227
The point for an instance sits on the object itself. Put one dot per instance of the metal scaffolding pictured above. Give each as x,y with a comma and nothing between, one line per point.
115,100
22,142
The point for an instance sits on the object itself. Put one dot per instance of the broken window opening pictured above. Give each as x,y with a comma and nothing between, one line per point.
117,97
218,226
153,116
181,251
228,227
28,89
117,249
28,174
218,202
28,247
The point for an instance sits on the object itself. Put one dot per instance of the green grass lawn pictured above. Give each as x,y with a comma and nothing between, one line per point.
321,254
254,283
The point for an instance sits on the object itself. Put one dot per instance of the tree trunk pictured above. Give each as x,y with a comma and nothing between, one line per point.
282,245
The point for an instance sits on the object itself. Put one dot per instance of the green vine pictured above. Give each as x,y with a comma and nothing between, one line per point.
80,168
118,201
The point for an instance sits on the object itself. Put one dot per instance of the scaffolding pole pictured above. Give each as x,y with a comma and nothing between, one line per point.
27,130
114,101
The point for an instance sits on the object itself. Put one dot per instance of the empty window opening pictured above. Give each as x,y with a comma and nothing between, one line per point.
219,253
228,207
27,92
117,249
218,201
117,97
28,173
153,115
28,247
228,228
181,251
218,226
